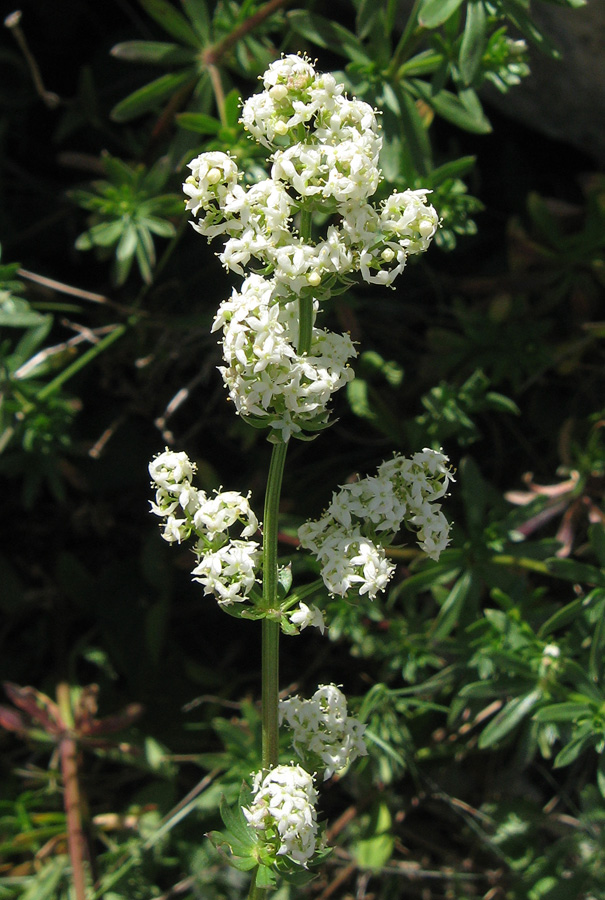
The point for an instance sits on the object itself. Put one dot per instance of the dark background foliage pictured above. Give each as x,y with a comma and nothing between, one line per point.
493,350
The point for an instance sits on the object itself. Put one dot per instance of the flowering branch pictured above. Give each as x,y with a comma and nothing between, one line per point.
281,371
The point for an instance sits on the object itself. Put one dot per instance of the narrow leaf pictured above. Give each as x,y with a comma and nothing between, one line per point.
569,711
452,109
508,718
150,96
197,11
327,34
198,122
457,168
474,40
414,133
597,648
449,613
106,233
156,53
172,21
575,747
434,13
582,573
561,618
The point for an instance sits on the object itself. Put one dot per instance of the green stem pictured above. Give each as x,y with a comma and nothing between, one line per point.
83,361
270,639
305,304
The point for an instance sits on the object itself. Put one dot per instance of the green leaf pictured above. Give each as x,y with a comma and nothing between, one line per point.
20,316
44,886
561,618
171,21
571,570
474,41
424,63
197,11
236,824
597,648
414,133
433,13
584,738
127,244
156,53
265,878
569,711
450,107
105,234
358,397
374,852
327,34
449,614
198,122
150,96
508,718
159,226
457,168
601,774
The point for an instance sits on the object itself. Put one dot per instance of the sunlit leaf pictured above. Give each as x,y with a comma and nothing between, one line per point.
433,13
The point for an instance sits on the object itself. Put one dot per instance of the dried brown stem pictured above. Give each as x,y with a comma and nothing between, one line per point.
213,55
72,798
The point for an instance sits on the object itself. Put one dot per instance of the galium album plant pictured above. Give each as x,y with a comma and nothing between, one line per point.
281,370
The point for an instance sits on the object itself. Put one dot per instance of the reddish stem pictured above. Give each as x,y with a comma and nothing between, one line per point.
213,55
72,800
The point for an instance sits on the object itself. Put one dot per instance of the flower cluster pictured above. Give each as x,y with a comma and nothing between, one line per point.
225,566
325,150
283,812
264,373
349,539
322,729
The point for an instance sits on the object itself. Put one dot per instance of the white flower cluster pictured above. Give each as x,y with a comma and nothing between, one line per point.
283,812
325,149
264,373
225,566
364,517
321,728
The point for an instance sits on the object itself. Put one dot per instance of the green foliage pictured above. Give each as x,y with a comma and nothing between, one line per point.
127,210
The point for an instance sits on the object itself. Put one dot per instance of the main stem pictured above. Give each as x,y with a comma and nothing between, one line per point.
271,626
270,665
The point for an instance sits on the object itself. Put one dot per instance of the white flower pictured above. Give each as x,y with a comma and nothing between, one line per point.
217,514
229,572
283,812
407,218
213,176
322,727
307,615
265,375
170,469
364,517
